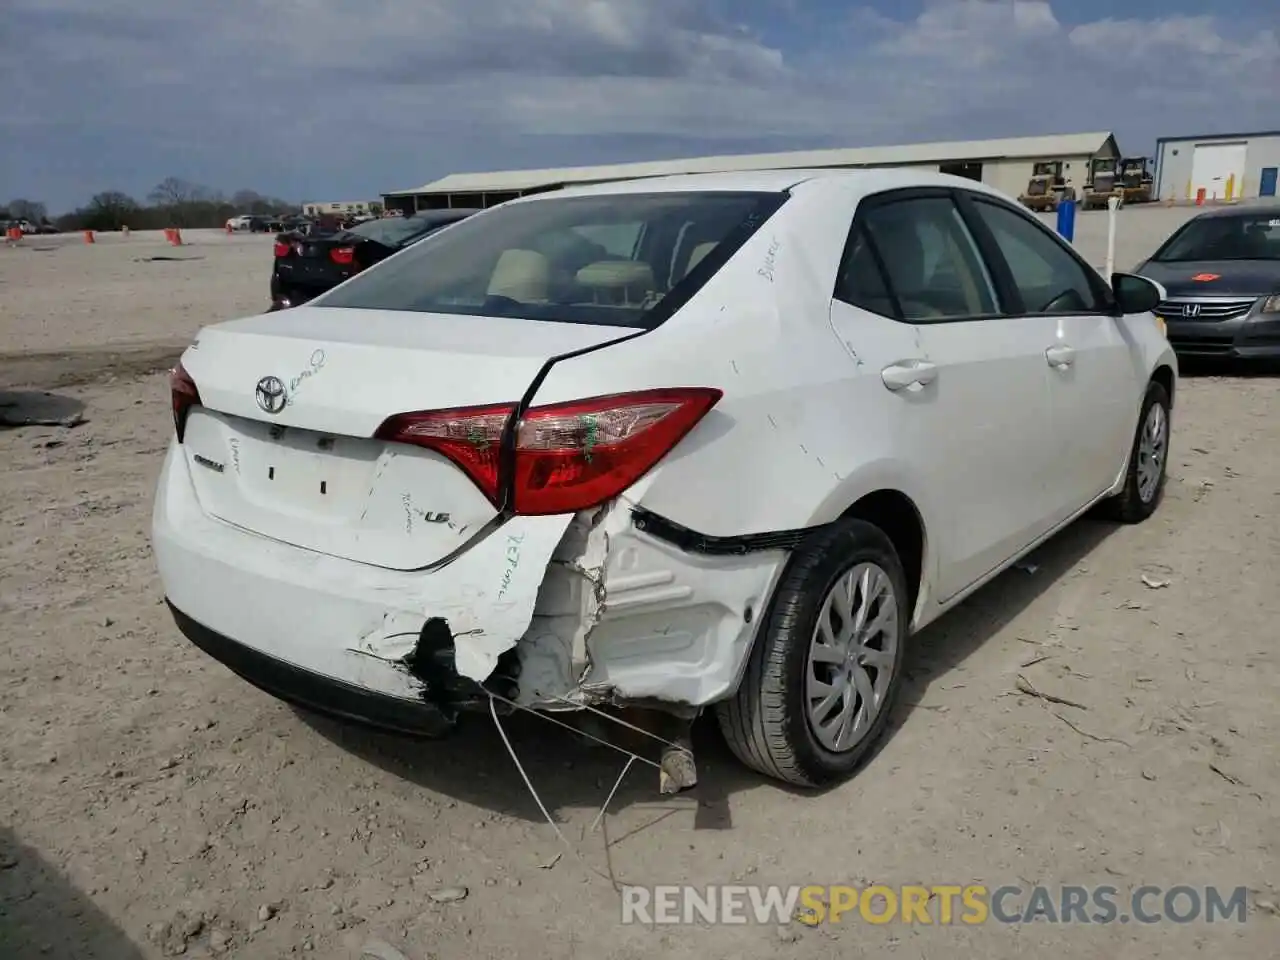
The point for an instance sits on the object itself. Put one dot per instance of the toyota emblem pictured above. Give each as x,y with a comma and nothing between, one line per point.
270,394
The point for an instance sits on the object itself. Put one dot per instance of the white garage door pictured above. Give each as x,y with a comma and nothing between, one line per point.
1217,166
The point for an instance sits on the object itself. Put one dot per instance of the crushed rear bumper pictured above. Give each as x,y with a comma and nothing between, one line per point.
315,691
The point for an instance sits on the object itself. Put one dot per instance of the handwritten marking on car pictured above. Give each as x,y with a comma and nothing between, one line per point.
513,561
770,260
314,365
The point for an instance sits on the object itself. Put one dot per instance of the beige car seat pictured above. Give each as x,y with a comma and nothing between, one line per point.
618,281
523,275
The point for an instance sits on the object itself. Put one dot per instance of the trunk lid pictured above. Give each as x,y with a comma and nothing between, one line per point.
310,474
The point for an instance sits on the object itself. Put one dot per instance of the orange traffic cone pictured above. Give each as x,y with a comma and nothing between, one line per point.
175,237
88,237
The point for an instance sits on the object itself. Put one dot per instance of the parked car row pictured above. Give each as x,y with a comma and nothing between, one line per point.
255,223
702,443
27,227
308,264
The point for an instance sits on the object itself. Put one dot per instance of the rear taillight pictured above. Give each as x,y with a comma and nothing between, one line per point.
282,249
344,256
569,456
183,392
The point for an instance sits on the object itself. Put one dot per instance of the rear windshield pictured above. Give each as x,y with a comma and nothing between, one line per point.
624,260
1254,236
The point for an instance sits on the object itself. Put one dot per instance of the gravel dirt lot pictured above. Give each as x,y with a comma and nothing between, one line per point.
152,803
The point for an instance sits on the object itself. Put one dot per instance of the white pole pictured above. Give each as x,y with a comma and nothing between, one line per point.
1113,205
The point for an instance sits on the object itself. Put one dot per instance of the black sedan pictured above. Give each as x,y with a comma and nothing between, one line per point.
308,265
1222,273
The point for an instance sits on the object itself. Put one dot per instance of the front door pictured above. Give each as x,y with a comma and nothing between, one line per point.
1089,362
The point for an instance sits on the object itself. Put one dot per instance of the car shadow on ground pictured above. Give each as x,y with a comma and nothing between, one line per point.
31,408
571,772
42,915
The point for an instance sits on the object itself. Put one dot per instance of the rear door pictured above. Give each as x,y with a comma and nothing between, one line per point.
968,387
1092,372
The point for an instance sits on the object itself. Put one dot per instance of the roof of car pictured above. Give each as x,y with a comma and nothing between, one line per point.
771,181
1242,210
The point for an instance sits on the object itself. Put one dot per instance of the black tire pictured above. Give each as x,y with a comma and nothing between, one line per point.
1128,506
766,721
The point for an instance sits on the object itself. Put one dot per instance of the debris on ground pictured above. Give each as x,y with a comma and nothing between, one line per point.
448,894
1025,686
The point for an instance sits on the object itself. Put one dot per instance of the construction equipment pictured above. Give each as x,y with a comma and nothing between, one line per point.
1047,187
1136,183
1102,184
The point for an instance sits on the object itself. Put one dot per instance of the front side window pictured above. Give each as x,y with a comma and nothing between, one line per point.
1048,278
932,265
589,259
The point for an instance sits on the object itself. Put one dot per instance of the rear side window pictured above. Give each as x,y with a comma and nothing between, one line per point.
1048,278
603,260
860,282
932,264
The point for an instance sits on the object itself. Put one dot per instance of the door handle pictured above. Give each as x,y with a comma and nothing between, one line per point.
1060,355
908,373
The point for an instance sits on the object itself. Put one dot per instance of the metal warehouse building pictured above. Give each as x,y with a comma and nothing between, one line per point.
1227,166
1005,164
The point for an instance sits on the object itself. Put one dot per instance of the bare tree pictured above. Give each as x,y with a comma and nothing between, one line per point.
111,210
28,210
175,192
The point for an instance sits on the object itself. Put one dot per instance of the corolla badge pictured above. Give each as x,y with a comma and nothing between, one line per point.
271,395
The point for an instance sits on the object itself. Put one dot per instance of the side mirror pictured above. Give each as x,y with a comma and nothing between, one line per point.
1135,294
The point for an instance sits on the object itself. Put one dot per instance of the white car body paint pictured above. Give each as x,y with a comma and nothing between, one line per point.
1003,454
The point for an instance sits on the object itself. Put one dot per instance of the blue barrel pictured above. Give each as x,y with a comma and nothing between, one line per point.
1067,220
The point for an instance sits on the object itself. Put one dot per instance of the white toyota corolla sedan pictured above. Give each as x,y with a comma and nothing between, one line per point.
706,441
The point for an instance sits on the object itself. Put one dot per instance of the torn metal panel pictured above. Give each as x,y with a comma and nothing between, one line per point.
623,617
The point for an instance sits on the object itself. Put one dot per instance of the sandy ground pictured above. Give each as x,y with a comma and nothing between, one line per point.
152,802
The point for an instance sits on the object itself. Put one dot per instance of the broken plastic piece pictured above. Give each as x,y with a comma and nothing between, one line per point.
677,771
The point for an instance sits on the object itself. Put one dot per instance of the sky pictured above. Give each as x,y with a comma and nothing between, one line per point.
345,99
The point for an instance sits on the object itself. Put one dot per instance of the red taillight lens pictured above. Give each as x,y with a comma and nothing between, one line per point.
282,249
183,392
569,456
344,256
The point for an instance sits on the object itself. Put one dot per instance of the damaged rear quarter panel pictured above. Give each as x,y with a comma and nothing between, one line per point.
625,618
486,598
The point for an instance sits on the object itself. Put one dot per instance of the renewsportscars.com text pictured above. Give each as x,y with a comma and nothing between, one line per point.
940,904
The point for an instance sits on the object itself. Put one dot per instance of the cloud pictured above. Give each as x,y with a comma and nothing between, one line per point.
323,96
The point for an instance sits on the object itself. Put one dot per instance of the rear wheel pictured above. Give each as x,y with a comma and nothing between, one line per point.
1148,461
827,663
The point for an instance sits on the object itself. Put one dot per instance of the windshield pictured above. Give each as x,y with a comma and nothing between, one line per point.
393,231
608,260
1253,236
